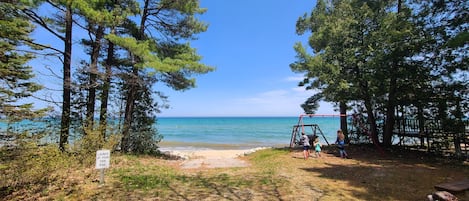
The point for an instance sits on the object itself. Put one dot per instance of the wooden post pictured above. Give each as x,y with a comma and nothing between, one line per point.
101,177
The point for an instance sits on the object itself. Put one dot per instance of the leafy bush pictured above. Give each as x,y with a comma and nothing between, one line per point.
30,166
85,148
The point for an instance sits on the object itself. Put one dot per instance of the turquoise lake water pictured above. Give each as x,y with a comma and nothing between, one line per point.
237,132
225,132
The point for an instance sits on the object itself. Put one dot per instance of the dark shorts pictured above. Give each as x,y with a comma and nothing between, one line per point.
305,147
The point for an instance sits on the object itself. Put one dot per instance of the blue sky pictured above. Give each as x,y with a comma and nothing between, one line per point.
250,43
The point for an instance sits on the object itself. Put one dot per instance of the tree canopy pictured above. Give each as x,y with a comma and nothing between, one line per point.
131,45
15,73
380,56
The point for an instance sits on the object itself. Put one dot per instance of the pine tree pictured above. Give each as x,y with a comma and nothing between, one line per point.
60,26
364,54
15,73
175,22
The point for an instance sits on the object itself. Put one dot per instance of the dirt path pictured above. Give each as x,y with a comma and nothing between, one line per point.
302,186
194,159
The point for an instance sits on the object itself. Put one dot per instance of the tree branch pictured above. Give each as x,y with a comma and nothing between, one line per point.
38,20
43,46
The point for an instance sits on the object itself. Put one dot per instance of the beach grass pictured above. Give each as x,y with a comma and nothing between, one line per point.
273,174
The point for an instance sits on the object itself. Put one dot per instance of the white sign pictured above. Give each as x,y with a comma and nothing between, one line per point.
103,158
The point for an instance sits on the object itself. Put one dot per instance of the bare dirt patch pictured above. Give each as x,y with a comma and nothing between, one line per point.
194,159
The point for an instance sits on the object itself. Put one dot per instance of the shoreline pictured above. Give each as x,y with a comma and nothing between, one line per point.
207,153
194,146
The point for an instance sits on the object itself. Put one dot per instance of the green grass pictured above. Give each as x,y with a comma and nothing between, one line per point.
166,182
273,174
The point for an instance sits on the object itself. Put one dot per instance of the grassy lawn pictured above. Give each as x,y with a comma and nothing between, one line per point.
273,174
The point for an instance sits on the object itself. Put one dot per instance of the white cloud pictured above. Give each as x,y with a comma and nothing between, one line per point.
274,102
294,78
299,89
309,92
278,102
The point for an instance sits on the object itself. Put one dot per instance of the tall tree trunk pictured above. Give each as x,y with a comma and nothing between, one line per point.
373,131
65,121
391,105
91,102
129,108
343,117
371,121
106,88
421,120
390,109
133,83
460,128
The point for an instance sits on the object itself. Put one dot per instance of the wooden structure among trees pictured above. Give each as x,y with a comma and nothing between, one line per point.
432,136
409,129
427,135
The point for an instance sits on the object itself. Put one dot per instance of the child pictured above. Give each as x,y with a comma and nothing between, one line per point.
341,144
317,147
306,145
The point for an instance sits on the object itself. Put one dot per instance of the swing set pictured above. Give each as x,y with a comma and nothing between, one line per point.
301,127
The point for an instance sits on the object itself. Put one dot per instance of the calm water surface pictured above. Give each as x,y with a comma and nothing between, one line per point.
236,132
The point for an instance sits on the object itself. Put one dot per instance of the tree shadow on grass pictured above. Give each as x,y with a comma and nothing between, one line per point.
394,176
198,187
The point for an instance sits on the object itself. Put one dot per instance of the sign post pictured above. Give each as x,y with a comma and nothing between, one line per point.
103,158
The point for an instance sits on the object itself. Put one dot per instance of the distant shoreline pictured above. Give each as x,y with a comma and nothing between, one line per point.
212,154
197,146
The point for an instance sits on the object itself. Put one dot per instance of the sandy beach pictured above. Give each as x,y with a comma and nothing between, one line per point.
211,158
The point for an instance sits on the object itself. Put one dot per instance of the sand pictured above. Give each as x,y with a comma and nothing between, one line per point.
192,159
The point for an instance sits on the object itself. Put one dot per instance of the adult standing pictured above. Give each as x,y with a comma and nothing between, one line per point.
341,144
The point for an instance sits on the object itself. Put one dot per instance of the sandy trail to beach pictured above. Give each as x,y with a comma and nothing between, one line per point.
193,159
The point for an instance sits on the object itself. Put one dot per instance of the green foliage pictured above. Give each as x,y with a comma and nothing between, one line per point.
459,40
144,137
85,148
29,163
176,19
29,166
446,28
180,55
153,35
15,75
377,56
311,104
24,162
106,12
169,58
173,20
156,42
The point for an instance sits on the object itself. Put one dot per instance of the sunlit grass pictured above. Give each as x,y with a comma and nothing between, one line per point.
273,174
163,181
